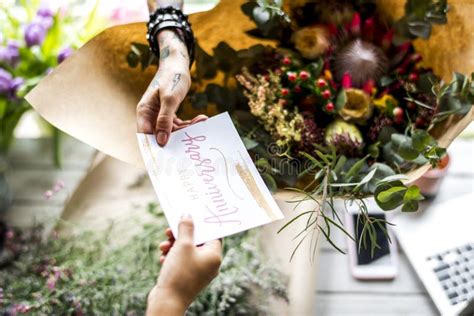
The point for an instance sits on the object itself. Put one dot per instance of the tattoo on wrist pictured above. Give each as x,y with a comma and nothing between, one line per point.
155,83
176,80
164,53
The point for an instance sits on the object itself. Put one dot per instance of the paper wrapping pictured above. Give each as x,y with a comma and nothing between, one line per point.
93,94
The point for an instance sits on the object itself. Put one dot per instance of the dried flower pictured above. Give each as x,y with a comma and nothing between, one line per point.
379,122
265,103
358,107
310,134
312,41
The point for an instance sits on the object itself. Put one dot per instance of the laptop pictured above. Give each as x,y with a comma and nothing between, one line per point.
439,243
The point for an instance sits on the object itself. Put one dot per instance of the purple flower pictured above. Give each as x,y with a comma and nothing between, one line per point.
5,81
16,84
35,33
45,12
9,85
64,53
45,17
10,54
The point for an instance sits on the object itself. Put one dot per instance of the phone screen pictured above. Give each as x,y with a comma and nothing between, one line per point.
381,255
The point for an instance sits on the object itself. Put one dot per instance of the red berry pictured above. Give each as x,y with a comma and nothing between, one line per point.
419,122
326,94
416,58
286,61
297,89
330,107
291,76
322,83
413,76
304,75
284,91
411,105
398,114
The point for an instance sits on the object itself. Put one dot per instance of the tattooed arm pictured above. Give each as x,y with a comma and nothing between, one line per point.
156,110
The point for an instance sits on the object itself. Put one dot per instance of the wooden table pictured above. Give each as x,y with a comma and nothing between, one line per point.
340,294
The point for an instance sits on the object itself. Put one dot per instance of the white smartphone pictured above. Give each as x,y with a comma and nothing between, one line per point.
382,263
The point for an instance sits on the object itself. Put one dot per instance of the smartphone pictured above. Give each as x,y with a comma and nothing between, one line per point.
382,263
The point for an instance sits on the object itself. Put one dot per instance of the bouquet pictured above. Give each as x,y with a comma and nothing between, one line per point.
338,106
34,39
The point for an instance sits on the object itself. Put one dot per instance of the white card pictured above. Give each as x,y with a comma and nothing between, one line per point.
205,171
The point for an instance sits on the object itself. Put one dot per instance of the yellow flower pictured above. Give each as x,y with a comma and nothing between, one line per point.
381,103
311,41
358,107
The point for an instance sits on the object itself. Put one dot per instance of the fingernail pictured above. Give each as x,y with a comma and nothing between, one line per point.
186,216
162,138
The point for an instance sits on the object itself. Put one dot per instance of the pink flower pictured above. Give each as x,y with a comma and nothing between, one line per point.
48,194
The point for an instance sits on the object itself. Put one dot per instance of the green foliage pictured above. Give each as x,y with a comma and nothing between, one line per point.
88,274
419,17
270,19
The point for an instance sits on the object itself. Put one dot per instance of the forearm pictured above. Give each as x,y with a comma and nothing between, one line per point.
161,302
155,4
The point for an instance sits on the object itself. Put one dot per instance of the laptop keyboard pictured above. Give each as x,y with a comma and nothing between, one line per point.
455,270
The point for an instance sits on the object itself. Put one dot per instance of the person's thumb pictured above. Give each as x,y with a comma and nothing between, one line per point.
164,123
186,230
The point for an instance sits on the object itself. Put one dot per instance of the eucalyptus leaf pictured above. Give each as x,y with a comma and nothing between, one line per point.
392,200
403,146
421,139
410,206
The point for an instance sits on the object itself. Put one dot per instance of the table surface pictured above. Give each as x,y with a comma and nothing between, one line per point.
340,294
32,173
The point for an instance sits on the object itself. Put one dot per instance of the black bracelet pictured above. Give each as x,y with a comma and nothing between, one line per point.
166,18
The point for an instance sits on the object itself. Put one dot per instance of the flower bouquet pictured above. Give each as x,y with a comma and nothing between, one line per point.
339,106
34,39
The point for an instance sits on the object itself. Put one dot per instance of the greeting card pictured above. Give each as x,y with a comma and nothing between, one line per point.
205,171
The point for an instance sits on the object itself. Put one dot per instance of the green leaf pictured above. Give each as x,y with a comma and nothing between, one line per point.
52,39
420,29
270,182
341,100
403,146
373,150
421,139
392,200
410,206
413,193
3,107
387,195
354,170
366,179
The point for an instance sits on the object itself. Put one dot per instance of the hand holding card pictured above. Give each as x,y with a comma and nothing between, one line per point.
206,171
